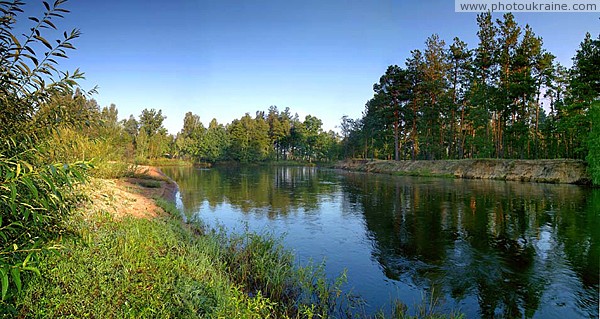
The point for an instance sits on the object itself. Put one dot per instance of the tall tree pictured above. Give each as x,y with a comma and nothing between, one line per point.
190,141
484,99
583,91
435,108
415,66
216,142
155,139
151,121
249,139
313,142
460,58
392,94
279,129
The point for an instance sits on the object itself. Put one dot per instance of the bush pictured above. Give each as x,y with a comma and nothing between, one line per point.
34,199
35,193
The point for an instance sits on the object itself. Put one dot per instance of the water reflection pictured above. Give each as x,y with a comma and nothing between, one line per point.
278,190
491,249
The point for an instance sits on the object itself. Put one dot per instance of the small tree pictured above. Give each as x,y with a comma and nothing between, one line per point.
34,196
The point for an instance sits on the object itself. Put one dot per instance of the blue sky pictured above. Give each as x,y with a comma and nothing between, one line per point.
222,58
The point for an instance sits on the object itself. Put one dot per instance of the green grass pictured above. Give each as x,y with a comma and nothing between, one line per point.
134,268
162,268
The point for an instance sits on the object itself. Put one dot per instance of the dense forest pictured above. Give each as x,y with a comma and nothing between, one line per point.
97,134
505,98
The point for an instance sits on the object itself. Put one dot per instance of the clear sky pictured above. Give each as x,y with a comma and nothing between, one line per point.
222,58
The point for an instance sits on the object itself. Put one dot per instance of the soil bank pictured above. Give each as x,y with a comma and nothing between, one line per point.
133,196
564,171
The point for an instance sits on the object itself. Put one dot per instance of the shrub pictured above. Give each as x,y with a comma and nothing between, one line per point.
35,194
34,199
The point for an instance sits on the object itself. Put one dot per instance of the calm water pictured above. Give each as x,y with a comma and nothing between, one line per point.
485,248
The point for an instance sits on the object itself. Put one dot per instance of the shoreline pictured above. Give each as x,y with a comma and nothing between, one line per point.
126,258
134,195
168,189
555,171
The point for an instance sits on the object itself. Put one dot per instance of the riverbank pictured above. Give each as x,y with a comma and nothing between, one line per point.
126,253
540,171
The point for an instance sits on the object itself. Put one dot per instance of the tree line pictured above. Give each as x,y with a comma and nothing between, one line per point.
505,98
268,136
272,135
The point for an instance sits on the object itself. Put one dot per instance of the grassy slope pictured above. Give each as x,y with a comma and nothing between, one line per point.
136,268
160,268
115,267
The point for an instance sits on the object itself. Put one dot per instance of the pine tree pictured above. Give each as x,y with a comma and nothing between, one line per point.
460,58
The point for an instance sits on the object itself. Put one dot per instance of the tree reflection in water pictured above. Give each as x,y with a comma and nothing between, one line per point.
513,246
492,249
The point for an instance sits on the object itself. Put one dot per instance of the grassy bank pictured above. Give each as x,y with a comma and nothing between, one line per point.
115,265
153,268
126,267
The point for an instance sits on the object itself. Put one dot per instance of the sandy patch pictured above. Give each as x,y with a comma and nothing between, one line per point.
132,196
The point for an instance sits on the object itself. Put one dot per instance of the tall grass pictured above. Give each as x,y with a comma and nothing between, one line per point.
133,268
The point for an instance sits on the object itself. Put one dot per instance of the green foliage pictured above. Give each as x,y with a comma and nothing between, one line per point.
85,132
272,136
165,162
37,190
249,139
151,121
455,102
593,157
150,139
29,78
34,200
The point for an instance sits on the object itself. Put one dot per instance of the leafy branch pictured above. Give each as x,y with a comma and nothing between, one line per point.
26,76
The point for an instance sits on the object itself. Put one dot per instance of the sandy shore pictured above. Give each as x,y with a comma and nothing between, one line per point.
133,196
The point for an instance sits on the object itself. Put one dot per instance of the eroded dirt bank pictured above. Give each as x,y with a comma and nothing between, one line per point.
133,196
540,171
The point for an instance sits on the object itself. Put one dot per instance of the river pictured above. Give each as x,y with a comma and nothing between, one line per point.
483,248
